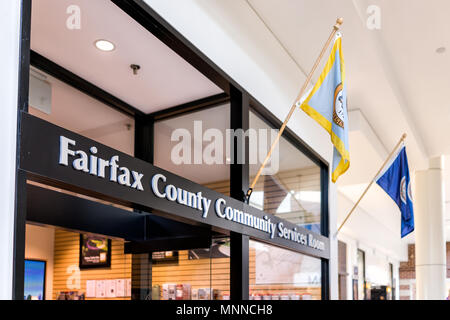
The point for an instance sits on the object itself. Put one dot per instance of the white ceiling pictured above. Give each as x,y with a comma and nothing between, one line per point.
395,79
164,80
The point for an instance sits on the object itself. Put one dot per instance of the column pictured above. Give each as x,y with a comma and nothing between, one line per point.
430,232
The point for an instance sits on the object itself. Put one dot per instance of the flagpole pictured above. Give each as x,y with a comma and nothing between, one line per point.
371,182
336,27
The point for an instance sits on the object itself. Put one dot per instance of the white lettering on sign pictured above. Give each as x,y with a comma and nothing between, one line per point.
168,191
179,195
96,166
90,163
226,212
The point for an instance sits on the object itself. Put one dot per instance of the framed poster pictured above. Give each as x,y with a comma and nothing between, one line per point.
34,282
95,251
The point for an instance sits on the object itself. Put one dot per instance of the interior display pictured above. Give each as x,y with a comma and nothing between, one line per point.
163,257
128,288
156,292
120,288
90,288
100,291
204,294
184,291
169,290
110,288
276,296
71,295
95,251
219,249
34,285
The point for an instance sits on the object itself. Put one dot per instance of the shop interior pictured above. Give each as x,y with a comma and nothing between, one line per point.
139,71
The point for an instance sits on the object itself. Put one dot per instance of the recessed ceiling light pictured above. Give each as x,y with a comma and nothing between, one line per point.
440,50
104,45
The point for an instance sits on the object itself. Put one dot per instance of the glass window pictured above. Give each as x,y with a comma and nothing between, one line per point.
73,110
195,274
290,187
193,146
91,267
68,265
280,274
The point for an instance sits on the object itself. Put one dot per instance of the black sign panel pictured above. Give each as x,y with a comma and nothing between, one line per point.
62,157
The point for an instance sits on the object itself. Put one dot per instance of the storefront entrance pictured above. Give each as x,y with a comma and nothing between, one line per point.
109,208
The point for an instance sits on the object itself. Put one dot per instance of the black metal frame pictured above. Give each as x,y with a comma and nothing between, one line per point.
239,182
241,102
20,203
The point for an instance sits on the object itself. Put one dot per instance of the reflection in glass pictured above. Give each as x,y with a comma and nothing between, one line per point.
280,274
196,274
193,145
293,191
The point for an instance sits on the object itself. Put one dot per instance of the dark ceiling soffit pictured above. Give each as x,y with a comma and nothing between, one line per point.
160,227
79,83
192,106
168,244
48,207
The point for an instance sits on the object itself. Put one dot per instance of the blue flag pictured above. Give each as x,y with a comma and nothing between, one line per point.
395,181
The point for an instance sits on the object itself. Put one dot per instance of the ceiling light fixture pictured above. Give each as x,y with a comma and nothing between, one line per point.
104,45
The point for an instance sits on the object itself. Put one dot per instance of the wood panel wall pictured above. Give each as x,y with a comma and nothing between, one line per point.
67,248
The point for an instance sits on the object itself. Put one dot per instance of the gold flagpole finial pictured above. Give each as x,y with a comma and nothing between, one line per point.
339,22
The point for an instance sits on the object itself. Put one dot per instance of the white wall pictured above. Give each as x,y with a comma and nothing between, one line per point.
377,264
39,245
380,244
233,37
9,62
367,229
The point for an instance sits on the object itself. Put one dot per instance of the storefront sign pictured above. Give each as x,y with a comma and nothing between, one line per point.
63,158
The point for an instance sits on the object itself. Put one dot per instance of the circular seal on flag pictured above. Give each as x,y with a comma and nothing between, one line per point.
403,189
338,108
409,191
